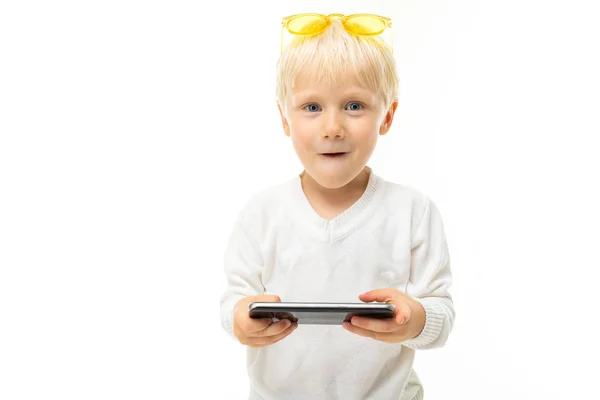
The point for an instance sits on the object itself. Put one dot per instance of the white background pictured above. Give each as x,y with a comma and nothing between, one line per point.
131,133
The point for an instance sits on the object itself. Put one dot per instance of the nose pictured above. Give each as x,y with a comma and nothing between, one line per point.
334,127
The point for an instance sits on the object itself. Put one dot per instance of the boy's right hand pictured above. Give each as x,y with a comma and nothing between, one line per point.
259,332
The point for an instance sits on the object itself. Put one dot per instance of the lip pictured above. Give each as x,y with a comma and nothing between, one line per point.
333,152
334,156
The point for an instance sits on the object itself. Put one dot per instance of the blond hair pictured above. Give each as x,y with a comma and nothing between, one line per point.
330,54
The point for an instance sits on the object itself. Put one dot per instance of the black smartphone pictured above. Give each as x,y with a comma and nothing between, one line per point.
319,313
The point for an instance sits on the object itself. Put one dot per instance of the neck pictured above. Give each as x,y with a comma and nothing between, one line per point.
342,196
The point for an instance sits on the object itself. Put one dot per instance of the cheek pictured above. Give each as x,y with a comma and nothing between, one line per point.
302,133
300,140
365,132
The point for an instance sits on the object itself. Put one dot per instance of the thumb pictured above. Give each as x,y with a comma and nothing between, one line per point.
379,295
270,297
403,313
267,298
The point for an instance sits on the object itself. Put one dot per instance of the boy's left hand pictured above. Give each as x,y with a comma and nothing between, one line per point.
408,321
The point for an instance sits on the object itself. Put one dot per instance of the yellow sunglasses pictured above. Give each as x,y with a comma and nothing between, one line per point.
355,24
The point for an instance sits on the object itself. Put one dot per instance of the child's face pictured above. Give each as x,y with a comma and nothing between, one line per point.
346,119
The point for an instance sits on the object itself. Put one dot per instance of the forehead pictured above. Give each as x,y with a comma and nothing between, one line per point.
310,81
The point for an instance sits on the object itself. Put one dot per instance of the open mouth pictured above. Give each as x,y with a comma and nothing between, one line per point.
333,155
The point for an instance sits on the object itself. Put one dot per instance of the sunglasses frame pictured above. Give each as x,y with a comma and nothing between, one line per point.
344,18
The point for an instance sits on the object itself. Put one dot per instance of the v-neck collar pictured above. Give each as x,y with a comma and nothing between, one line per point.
331,230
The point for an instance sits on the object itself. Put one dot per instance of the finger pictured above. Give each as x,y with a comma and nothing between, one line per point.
374,324
266,341
382,336
273,329
380,295
252,325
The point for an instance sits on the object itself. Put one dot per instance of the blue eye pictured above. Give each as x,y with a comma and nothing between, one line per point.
357,106
312,108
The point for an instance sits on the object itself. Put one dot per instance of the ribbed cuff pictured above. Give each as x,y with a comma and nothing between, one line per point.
420,395
228,323
227,311
434,321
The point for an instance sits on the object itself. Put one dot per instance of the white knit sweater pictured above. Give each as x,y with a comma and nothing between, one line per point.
393,236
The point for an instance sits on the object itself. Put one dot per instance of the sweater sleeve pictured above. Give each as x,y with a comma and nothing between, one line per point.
430,280
243,268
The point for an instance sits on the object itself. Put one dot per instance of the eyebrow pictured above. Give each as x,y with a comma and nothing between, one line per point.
360,92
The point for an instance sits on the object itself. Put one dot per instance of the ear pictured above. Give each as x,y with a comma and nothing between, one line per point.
286,126
389,117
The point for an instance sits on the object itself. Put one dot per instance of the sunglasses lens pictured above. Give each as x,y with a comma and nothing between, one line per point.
365,25
307,25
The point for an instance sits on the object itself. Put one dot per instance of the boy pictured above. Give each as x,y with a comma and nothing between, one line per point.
337,232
